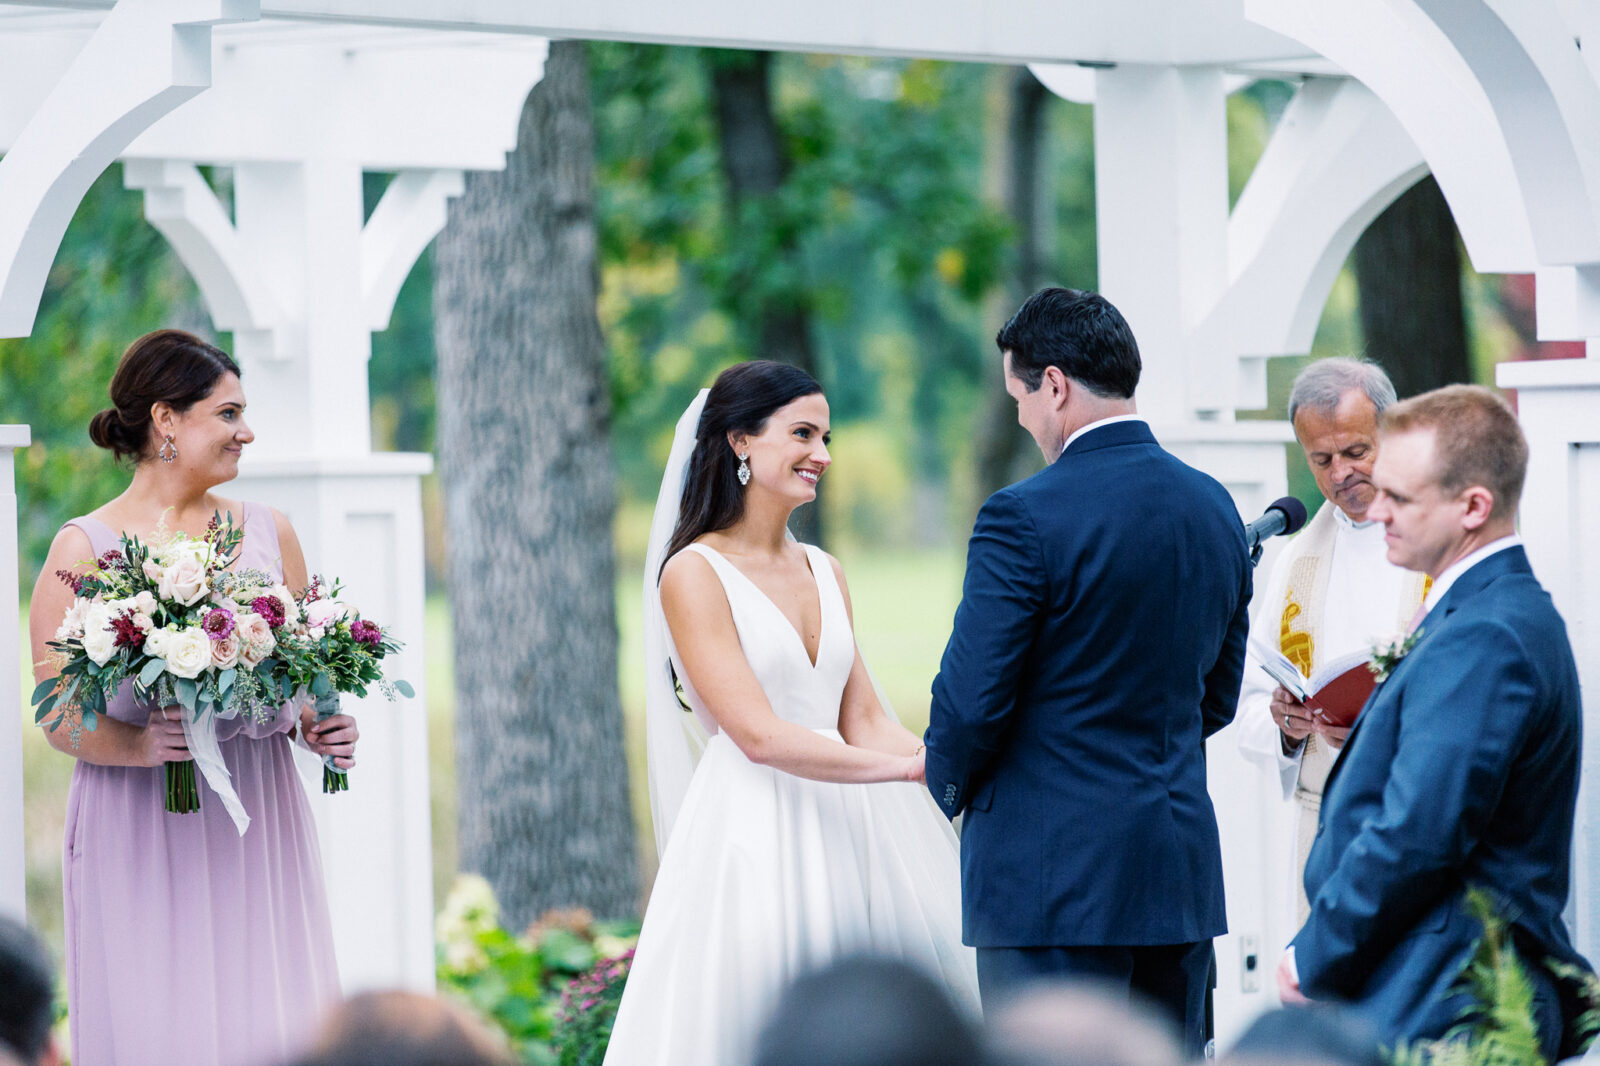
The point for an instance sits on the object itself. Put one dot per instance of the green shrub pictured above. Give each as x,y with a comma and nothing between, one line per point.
517,982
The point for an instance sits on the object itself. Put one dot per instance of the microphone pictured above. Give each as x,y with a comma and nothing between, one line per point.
1283,516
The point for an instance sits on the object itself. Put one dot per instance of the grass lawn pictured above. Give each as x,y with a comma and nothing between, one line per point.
903,601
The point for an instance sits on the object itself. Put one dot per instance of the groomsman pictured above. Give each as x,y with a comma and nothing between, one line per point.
1462,771
1331,592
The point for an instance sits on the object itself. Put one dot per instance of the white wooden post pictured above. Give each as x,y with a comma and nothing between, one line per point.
1558,404
13,860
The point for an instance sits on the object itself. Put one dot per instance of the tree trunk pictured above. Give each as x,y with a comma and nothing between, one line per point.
526,464
1408,271
755,165
1003,445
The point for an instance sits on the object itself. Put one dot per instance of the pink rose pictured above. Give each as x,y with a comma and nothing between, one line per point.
256,637
321,614
152,570
225,652
185,582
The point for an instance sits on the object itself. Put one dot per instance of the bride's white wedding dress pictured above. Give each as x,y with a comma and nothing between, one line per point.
766,875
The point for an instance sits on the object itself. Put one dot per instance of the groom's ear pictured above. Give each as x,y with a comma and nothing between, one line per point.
1059,384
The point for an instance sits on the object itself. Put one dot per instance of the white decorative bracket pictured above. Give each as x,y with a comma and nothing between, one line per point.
1337,158
411,213
146,58
179,203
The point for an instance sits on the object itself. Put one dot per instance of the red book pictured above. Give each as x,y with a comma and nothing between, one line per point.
1339,689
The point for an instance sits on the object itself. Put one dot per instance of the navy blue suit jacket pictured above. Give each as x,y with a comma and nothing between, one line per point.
1461,771
1099,641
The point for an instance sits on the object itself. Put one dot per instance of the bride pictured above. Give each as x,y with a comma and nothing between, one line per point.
787,799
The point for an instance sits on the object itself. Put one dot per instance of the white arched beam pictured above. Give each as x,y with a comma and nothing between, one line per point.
412,212
1406,60
1335,161
1548,108
145,59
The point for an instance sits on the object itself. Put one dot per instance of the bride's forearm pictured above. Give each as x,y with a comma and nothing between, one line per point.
880,733
799,751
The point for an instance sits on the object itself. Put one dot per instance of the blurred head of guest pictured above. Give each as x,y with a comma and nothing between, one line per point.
1318,1035
868,1012
27,1005
1062,1023
397,1028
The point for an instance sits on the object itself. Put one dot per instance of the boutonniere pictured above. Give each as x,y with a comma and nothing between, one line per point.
1386,654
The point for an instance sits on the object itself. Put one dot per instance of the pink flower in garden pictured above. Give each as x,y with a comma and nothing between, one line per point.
367,632
269,608
218,623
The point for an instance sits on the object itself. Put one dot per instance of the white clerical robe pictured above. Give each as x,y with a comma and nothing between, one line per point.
1363,599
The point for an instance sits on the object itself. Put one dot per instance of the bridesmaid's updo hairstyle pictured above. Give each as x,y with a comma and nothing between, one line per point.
168,366
740,401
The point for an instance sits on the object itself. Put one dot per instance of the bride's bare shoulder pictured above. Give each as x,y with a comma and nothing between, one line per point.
690,585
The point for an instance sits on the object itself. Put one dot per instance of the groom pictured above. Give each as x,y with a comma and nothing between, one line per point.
1099,641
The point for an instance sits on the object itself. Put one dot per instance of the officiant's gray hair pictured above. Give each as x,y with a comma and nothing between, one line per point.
1323,384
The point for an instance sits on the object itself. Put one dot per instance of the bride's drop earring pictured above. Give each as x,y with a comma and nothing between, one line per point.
744,469
169,450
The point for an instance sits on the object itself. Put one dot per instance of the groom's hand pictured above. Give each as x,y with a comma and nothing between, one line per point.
1289,982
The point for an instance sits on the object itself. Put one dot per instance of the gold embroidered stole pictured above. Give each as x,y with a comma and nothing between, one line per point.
1305,596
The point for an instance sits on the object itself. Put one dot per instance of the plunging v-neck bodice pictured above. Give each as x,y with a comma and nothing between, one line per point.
800,691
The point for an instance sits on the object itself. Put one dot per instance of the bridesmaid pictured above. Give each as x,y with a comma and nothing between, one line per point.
186,942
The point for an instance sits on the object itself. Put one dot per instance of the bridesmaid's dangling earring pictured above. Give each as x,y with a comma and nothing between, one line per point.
744,469
169,450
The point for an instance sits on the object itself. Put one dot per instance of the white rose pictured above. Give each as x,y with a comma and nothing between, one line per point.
71,627
320,614
99,639
153,570
145,604
315,633
225,652
155,643
185,582
187,652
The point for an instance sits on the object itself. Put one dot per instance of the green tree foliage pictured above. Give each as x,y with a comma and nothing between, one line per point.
114,279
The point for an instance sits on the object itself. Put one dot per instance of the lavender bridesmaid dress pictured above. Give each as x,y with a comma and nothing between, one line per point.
187,943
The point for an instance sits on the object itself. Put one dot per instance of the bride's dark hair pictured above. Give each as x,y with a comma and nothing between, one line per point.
740,401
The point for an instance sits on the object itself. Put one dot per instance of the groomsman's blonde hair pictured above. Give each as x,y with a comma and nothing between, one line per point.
1476,437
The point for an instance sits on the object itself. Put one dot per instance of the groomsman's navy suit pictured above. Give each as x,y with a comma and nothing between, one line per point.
1099,641
1462,771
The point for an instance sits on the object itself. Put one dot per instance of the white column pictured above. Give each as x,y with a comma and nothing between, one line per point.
360,519
13,862
1161,211
1253,820
1558,404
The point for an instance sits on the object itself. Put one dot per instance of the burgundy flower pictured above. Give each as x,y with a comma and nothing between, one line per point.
129,634
218,624
73,581
270,608
367,632
112,558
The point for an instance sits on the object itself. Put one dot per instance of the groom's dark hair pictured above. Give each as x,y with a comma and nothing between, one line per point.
1078,332
27,1007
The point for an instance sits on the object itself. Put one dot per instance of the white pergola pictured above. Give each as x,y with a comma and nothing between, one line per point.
299,97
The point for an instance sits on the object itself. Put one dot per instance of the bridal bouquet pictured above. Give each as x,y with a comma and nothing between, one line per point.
170,616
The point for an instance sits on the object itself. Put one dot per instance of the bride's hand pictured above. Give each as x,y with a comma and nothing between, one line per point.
916,767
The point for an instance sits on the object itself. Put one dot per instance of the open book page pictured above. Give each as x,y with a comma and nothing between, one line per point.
1338,688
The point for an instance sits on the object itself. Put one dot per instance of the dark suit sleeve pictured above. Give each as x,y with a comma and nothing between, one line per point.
1221,697
976,690
1464,714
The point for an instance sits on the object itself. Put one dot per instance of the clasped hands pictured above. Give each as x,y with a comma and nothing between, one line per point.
163,741
1296,721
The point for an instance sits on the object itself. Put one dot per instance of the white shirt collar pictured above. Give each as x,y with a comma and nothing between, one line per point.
1442,583
1081,430
1348,523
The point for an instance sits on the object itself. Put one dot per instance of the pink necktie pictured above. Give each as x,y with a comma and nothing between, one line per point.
1416,619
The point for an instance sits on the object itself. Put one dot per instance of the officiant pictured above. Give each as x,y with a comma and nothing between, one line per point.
1331,592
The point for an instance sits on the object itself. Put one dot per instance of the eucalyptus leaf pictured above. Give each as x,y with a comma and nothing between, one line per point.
405,689
188,692
225,681
152,670
44,688
320,685
91,721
